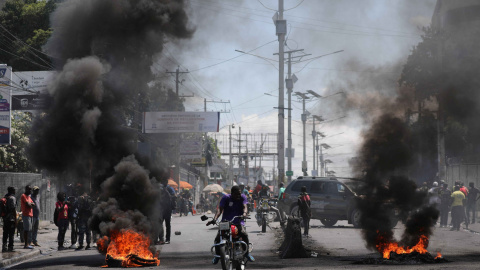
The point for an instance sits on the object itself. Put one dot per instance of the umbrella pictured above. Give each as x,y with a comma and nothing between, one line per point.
172,183
213,188
184,184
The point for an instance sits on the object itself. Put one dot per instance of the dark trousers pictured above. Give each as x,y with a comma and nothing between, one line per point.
458,213
8,233
168,227
74,233
62,229
242,232
443,215
471,207
306,223
83,230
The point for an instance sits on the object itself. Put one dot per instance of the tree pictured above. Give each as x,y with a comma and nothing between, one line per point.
13,157
24,28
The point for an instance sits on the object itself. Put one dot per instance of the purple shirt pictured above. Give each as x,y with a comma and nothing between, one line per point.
232,208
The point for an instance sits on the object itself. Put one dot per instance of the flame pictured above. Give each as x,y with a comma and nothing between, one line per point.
439,255
127,242
385,247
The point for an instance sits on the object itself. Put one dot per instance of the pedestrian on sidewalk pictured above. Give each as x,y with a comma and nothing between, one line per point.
61,218
27,205
9,220
304,204
472,201
36,214
166,214
85,207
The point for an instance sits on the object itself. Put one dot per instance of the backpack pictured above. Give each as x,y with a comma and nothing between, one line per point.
3,207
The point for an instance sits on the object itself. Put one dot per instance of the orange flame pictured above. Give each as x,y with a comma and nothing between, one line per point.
439,255
385,247
123,243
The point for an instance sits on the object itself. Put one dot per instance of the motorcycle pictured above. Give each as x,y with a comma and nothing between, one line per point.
232,248
267,213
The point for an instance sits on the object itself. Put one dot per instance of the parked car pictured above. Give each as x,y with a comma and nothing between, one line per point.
331,201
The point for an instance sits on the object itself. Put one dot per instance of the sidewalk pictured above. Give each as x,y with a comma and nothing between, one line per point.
47,239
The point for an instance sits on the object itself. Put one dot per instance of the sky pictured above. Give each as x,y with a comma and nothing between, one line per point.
376,37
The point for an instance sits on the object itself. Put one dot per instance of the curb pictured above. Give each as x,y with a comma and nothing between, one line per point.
19,258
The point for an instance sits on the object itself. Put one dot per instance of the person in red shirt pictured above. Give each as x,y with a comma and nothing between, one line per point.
61,218
27,216
304,204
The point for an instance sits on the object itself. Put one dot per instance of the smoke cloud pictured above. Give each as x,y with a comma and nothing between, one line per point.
103,51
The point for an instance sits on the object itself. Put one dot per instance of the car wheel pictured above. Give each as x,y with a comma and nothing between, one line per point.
355,217
328,222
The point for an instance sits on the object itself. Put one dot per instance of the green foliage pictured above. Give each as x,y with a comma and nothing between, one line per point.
13,157
25,29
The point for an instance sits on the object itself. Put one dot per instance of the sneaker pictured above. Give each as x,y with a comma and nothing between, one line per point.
88,247
215,260
28,247
452,229
36,244
250,258
11,250
94,244
79,247
62,248
73,246
167,242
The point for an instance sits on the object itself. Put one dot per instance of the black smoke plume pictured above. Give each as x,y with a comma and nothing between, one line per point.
103,51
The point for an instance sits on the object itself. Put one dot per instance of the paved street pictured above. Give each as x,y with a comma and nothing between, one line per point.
338,248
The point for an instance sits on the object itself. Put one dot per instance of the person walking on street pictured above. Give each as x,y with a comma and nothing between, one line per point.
9,220
61,218
36,214
73,219
304,204
27,205
85,207
166,216
458,212
445,199
472,201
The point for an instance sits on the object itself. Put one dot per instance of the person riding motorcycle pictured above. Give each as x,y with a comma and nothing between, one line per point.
232,205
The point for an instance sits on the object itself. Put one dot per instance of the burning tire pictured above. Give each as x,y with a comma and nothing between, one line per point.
328,222
355,218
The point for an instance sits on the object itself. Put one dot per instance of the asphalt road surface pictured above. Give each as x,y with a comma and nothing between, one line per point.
337,248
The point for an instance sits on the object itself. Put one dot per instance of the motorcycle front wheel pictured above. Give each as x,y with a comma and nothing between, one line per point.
237,265
224,258
264,224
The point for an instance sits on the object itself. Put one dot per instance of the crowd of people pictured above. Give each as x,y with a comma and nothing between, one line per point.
461,202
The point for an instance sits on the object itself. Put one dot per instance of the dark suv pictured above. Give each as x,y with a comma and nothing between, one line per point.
331,200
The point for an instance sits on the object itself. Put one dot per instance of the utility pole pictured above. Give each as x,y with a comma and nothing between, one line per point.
281,30
304,120
230,175
177,80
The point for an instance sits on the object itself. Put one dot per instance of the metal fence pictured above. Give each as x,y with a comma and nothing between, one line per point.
48,190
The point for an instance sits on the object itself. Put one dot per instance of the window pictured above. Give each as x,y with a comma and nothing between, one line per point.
341,188
317,187
299,184
330,188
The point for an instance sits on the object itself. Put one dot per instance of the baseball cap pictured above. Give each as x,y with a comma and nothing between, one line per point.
35,188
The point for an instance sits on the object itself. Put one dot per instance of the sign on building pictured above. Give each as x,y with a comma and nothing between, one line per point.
178,122
5,100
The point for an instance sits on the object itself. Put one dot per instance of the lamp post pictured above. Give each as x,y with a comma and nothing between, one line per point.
322,162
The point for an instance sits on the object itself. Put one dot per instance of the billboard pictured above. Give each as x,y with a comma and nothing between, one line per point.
191,148
29,102
180,122
5,100
33,81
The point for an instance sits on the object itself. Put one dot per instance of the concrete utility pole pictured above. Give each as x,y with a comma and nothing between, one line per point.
230,174
304,120
281,30
314,134
177,80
